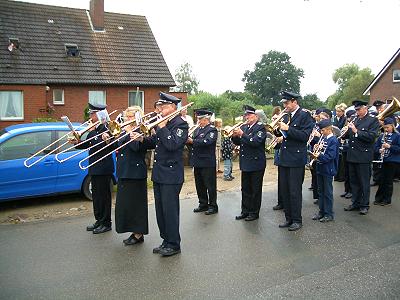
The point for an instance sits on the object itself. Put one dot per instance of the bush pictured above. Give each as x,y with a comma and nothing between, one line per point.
41,120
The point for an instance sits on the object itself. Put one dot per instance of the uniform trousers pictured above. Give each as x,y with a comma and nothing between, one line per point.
385,189
252,192
167,211
280,188
206,187
292,179
360,175
314,179
325,195
101,194
347,187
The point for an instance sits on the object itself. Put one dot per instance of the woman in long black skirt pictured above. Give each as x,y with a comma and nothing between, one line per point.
131,205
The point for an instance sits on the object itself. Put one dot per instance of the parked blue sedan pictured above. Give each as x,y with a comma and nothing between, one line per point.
47,177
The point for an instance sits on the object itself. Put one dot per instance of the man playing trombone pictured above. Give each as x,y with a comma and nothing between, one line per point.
251,138
293,158
168,173
202,158
101,173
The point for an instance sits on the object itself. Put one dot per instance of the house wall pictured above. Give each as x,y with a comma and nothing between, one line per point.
385,88
76,98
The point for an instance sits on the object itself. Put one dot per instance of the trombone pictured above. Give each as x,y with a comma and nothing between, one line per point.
228,132
76,134
144,126
193,129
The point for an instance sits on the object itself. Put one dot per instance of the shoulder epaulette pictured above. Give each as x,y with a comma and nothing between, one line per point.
260,123
212,126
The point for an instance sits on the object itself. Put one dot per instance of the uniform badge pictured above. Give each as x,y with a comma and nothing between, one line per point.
212,135
201,135
179,132
259,134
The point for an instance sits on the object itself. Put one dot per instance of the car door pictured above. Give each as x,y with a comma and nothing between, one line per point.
18,181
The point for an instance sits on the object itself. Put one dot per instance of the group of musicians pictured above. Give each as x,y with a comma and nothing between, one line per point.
293,131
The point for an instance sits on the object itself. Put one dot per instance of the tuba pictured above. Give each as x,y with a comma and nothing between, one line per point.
393,107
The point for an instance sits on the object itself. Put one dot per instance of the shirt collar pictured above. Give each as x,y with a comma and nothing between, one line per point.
292,113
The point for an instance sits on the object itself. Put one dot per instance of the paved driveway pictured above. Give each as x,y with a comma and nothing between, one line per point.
353,257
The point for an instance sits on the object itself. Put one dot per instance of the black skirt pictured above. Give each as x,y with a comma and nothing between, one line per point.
131,206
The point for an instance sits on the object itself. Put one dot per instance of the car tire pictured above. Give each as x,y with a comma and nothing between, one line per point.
87,188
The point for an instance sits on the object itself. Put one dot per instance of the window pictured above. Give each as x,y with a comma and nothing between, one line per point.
97,97
72,50
58,97
11,105
136,98
396,75
22,146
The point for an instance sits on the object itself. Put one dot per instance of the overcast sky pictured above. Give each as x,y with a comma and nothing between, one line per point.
222,39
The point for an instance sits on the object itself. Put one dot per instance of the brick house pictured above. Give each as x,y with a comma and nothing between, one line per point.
53,60
387,83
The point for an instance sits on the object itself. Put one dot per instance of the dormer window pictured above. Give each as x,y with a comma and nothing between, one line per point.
72,50
13,44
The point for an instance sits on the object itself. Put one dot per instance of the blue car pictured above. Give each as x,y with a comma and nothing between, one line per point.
47,177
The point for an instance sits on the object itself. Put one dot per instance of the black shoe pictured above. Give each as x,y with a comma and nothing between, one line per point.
326,219
363,211
343,195
241,216
351,208
92,227
348,196
200,209
317,216
278,207
251,218
211,211
374,184
169,251
295,226
315,201
385,203
376,202
101,229
228,178
132,240
285,225
158,249
232,177
310,188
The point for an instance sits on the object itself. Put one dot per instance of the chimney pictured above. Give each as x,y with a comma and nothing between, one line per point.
97,14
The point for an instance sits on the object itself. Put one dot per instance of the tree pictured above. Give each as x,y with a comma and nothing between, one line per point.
351,83
185,80
271,75
311,101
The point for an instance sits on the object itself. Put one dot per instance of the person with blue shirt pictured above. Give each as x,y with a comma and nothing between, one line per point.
251,137
326,153
388,148
203,160
168,174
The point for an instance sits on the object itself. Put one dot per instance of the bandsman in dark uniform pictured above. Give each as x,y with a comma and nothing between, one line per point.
203,160
362,134
293,158
376,168
101,173
251,137
168,174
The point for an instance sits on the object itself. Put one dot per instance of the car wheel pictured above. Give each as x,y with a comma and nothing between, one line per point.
87,188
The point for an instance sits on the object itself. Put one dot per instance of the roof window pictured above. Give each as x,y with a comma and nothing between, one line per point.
13,44
72,50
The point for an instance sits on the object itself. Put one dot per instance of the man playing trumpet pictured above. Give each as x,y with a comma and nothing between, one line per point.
251,138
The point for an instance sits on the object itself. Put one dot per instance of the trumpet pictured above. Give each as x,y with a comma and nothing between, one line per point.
75,134
228,132
272,144
274,125
319,148
312,135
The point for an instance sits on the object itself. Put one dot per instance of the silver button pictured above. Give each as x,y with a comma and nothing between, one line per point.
122,154
137,165
155,160
155,153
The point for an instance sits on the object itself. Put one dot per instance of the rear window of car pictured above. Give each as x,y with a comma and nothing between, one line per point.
25,145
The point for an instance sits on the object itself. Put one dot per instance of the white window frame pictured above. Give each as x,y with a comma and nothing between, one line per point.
396,72
22,111
142,93
97,91
62,97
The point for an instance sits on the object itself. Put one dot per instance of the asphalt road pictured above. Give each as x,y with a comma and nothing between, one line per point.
352,258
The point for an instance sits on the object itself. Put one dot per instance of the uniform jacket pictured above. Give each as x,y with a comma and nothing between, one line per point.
328,160
105,166
393,153
169,142
203,150
339,123
252,147
131,159
361,147
293,152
